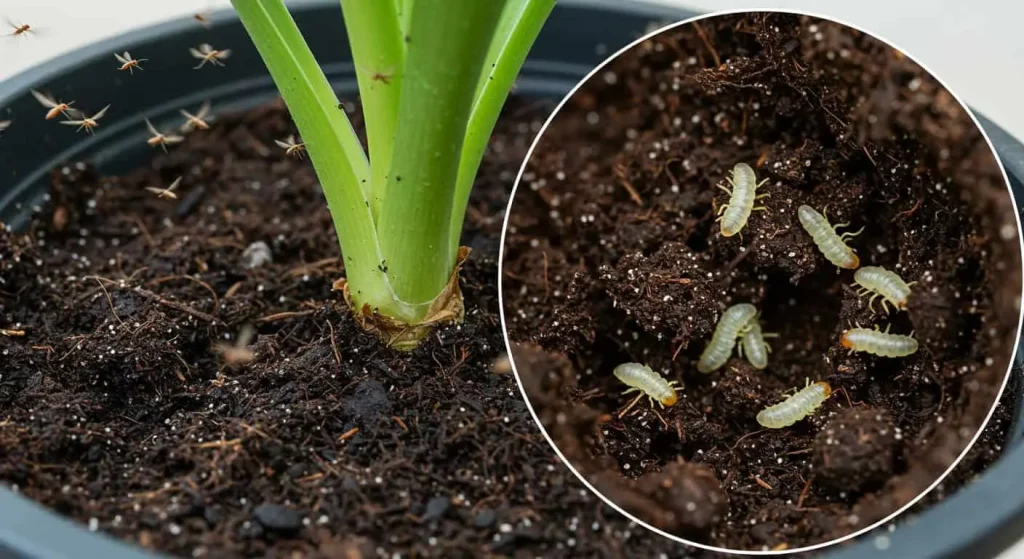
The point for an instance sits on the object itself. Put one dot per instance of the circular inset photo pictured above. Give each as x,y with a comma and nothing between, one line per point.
761,281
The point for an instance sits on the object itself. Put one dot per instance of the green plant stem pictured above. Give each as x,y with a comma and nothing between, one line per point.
520,23
445,51
333,146
378,48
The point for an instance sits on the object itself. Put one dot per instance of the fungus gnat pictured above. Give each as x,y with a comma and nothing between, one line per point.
736,212
158,138
166,193
19,29
829,241
196,121
205,53
734,322
878,342
237,353
641,378
56,108
85,123
882,283
129,63
291,147
796,407
203,18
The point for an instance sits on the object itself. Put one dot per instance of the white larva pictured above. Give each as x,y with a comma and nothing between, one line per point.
736,212
796,407
829,241
876,342
882,283
733,323
753,347
641,378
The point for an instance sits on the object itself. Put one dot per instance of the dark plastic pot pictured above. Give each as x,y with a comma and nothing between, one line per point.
580,34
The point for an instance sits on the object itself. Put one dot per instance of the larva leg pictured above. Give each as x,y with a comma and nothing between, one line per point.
884,305
758,185
629,390
759,209
721,211
723,187
765,195
871,303
848,235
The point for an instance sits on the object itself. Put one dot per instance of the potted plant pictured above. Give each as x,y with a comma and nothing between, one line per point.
577,36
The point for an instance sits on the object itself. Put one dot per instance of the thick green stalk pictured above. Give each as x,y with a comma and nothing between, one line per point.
447,43
378,48
333,146
520,23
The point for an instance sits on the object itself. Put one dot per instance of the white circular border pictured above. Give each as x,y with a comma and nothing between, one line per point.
501,292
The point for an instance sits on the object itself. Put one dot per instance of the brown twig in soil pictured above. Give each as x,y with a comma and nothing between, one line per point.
109,300
762,483
334,344
741,439
630,405
803,493
620,172
175,305
219,444
348,434
165,279
400,423
12,333
908,213
233,290
282,316
707,43
145,233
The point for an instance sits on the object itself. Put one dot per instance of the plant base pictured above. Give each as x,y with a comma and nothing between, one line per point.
404,336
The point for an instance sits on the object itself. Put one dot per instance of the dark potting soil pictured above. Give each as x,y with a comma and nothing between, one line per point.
116,408
613,254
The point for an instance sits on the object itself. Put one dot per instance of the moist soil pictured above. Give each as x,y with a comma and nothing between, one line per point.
117,410
613,254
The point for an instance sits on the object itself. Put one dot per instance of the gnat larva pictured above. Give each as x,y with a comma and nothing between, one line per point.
829,241
796,407
877,342
882,283
735,213
641,378
733,323
753,347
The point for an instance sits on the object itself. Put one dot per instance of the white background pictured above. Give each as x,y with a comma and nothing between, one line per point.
976,47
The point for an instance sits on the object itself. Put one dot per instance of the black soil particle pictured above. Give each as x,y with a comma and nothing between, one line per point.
614,254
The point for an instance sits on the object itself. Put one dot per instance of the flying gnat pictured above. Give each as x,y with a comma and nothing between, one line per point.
56,108
18,29
166,193
203,18
290,147
237,353
85,123
196,121
382,76
129,63
158,138
205,53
